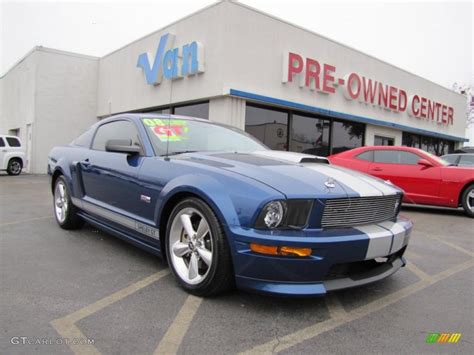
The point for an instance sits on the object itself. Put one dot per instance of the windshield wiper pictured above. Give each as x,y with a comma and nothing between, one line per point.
178,152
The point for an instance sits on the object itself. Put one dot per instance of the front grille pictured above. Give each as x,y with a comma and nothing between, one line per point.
348,212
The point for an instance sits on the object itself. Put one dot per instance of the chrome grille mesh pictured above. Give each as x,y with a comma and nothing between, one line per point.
348,212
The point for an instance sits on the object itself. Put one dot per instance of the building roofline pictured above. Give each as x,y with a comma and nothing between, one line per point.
47,50
236,3
336,42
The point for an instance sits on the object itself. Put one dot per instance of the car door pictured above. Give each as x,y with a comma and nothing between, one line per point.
109,178
3,150
421,183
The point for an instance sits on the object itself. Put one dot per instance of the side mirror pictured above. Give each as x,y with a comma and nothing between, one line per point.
425,163
122,146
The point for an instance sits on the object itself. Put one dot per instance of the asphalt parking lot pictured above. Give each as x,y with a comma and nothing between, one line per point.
88,292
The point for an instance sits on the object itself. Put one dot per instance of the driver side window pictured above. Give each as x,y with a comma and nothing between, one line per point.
122,130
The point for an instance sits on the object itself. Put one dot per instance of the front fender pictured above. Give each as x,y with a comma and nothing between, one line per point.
208,189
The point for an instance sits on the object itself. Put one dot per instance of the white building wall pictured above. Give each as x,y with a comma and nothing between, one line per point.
56,93
17,98
66,103
244,50
228,110
371,131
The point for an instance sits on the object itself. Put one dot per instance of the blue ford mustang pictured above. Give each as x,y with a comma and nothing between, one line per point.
223,209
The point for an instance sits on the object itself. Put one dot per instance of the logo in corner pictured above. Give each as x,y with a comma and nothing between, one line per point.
330,183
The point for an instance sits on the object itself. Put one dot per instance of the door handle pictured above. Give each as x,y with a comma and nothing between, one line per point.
377,169
4,150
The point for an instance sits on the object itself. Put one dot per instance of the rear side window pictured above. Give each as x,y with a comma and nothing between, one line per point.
368,156
395,157
123,130
408,158
2,143
13,142
466,160
84,140
386,156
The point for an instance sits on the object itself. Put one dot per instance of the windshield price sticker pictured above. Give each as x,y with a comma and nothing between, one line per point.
167,130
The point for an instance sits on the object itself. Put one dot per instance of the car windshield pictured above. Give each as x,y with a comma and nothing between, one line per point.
183,135
437,159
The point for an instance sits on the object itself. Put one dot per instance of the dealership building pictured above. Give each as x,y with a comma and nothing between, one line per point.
291,88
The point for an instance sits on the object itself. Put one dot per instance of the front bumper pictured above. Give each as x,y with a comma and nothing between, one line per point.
341,258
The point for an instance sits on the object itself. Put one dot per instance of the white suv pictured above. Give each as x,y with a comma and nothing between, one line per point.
12,155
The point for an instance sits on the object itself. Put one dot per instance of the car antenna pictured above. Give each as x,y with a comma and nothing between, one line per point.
167,158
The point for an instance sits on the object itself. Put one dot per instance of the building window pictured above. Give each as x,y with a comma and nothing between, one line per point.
380,140
430,144
346,135
310,135
268,126
445,147
200,110
411,140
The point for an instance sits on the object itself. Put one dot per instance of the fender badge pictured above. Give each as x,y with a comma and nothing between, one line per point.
329,183
145,198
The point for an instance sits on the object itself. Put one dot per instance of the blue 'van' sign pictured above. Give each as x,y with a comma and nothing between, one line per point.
172,63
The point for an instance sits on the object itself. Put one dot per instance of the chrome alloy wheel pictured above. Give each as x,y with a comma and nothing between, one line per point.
60,202
470,200
190,244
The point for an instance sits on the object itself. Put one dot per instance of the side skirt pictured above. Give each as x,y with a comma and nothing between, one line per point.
120,234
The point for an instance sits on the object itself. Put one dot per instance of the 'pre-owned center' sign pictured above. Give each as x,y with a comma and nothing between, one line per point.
322,77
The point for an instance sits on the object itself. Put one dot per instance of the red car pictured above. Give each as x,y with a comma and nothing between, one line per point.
426,179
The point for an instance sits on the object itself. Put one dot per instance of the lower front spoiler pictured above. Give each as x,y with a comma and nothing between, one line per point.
320,288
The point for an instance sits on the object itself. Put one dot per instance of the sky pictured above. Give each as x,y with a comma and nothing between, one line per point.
430,39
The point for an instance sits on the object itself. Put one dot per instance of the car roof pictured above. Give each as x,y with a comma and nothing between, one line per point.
138,116
8,136
379,147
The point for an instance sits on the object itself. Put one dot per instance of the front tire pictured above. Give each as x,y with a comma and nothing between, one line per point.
14,166
64,211
197,249
467,201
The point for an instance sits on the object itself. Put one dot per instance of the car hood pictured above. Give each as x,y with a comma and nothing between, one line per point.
296,175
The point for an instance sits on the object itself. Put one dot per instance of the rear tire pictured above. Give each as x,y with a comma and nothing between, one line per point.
64,211
467,201
200,262
14,166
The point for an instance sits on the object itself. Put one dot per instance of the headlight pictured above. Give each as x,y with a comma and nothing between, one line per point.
292,214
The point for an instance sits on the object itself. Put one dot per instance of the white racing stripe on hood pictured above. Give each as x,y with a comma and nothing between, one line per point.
346,178
380,241
382,186
285,156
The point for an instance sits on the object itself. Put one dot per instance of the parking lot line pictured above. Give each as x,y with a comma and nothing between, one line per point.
66,327
452,245
173,337
336,310
290,340
25,221
418,272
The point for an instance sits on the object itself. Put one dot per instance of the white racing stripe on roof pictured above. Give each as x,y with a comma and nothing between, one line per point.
347,179
380,241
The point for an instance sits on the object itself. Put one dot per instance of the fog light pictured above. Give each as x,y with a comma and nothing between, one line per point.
280,250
